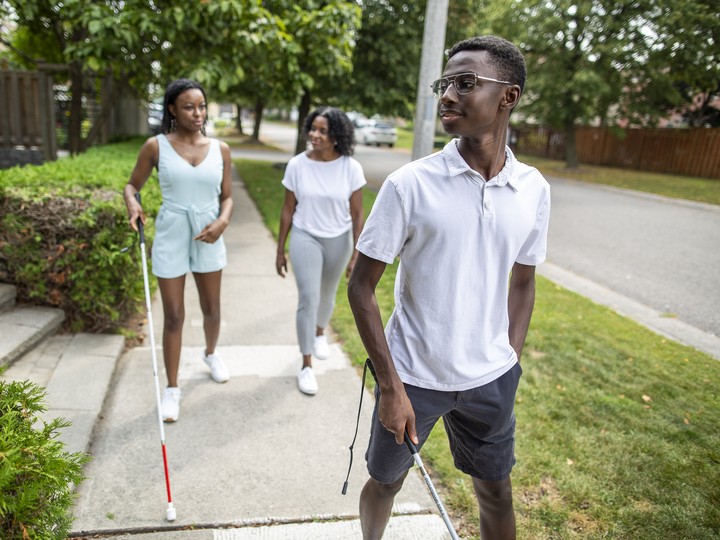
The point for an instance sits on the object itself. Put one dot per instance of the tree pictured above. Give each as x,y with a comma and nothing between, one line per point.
687,54
132,41
84,35
271,80
323,38
387,58
466,18
613,61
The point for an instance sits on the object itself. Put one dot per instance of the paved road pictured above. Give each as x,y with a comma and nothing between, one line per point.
659,252
377,162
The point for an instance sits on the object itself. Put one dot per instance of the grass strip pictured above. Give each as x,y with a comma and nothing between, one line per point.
618,428
692,188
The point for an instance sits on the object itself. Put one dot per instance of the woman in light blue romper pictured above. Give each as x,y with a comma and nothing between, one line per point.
195,180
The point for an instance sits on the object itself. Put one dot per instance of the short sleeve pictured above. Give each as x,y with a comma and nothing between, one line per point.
385,230
534,250
357,176
290,178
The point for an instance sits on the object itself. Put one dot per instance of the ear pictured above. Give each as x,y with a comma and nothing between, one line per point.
511,97
172,109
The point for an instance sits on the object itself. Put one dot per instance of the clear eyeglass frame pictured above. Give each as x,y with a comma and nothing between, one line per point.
464,83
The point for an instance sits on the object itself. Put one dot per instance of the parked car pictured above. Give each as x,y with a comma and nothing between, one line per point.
357,119
155,115
377,132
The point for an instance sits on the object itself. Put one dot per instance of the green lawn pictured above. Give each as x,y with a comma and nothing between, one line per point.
680,187
405,137
242,142
618,431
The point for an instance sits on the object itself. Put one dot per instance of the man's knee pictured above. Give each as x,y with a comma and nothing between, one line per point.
386,490
493,494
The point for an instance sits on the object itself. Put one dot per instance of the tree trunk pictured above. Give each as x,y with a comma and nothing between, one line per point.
259,108
571,161
108,101
303,111
75,121
238,120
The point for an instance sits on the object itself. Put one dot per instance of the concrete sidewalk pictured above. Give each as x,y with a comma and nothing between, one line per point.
252,458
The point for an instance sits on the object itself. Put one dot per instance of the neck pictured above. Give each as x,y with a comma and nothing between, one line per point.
187,136
327,155
486,156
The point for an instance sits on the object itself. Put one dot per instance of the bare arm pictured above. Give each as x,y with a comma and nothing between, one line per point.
212,231
521,300
395,411
146,162
356,213
286,215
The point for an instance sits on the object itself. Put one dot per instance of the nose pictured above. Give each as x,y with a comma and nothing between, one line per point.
448,96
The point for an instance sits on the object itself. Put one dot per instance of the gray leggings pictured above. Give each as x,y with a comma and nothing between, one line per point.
318,265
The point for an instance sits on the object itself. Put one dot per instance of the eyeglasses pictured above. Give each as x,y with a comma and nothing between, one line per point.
465,83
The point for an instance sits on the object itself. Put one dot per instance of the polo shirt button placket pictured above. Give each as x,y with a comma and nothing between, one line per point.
487,207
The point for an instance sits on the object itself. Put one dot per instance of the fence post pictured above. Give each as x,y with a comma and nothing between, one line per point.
47,116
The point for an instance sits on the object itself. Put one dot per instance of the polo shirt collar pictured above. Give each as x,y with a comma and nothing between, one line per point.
457,166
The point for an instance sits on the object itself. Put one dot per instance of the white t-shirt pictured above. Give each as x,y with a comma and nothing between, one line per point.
323,190
457,237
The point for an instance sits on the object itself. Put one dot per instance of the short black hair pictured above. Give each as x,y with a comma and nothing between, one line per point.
505,56
173,90
339,125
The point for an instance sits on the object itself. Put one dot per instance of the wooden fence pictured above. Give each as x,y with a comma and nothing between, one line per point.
27,113
691,152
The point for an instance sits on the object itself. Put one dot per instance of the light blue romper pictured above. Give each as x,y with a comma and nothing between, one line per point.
191,201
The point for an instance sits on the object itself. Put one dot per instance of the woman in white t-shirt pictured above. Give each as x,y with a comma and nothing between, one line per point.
323,204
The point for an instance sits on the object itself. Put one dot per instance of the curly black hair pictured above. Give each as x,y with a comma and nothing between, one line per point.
505,56
340,127
173,90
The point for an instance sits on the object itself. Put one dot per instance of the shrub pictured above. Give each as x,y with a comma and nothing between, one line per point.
62,228
36,474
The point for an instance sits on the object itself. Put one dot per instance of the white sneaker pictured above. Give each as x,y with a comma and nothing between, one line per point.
218,371
307,382
320,347
170,406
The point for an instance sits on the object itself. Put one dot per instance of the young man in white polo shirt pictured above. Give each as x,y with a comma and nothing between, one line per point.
462,221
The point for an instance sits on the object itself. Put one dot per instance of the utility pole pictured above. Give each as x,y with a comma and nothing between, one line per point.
431,59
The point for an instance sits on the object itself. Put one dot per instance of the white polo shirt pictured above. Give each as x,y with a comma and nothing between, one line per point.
457,237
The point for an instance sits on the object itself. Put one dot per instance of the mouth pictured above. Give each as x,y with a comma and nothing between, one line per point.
449,114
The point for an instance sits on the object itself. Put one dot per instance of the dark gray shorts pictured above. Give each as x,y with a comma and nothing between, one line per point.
480,424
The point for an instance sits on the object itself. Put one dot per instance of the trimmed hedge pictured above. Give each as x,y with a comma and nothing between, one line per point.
63,225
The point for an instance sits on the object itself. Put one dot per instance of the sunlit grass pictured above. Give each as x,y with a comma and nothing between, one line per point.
669,185
405,137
